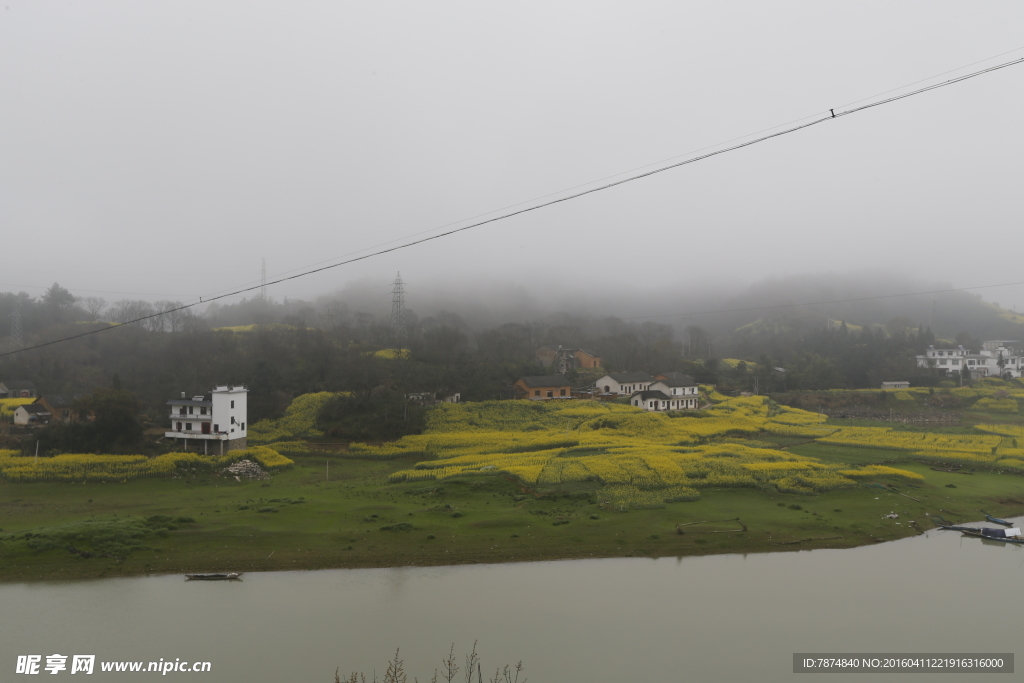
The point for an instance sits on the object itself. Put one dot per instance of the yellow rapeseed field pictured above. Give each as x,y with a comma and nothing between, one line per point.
640,458
81,467
299,421
9,405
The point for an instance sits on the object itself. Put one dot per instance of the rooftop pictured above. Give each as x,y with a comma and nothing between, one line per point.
627,377
653,393
545,381
682,381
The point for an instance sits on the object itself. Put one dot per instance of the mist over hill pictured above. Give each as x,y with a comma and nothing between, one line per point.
825,330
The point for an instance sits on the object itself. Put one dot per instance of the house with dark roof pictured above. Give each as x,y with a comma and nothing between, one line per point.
656,400
31,414
542,387
682,392
61,407
18,389
624,383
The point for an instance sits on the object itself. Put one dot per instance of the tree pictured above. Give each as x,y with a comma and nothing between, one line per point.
107,423
58,298
94,305
57,301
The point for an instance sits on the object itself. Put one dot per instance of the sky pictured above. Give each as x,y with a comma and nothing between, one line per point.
162,150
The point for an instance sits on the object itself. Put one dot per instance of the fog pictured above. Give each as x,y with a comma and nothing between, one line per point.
163,150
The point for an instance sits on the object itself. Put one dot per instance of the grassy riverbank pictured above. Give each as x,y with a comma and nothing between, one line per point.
318,523
516,481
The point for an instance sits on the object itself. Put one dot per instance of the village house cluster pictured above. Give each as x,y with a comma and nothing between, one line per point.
997,358
665,391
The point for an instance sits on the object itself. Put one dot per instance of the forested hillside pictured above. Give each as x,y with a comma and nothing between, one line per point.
281,349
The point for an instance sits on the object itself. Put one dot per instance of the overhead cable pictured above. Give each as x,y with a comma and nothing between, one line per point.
576,195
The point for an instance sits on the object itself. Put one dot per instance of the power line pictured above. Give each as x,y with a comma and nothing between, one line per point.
600,188
637,168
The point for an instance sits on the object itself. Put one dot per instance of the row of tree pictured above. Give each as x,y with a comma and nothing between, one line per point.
334,348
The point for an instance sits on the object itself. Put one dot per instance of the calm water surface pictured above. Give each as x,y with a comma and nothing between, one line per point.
718,618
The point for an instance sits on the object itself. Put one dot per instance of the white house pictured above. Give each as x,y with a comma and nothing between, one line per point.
31,414
984,364
219,418
682,393
624,383
658,400
943,360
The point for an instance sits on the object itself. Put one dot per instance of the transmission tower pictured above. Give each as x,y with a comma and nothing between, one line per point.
263,282
398,331
17,337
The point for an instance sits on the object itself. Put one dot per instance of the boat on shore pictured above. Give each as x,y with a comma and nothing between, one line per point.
996,520
1004,535
231,576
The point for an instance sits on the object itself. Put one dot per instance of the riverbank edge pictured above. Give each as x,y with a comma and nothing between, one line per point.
257,566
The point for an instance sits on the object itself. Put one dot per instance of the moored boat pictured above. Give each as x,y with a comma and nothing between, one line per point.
996,520
214,577
1004,535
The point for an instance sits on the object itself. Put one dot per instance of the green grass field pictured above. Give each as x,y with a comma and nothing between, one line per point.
301,520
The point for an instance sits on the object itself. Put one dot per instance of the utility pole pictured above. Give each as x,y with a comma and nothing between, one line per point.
398,331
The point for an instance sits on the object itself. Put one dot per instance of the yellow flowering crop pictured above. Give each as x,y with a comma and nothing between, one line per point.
76,467
996,405
299,420
641,458
392,354
880,470
9,405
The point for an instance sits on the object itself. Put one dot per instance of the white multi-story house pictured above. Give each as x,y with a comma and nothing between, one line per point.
943,360
996,359
624,383
680,394
219,418
655,399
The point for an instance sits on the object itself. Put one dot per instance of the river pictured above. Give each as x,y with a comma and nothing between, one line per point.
715,618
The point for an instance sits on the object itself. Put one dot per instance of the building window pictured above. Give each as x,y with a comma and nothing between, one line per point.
179,426
233,421
551,394
536,392
243,426
561,392
232,404
190,410
188,426
216,428
181,411
202,411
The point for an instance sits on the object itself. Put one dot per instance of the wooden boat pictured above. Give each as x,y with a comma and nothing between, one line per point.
996,520
214,577
1004,535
